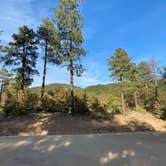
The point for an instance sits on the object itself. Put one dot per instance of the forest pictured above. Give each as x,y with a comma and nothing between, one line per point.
139,87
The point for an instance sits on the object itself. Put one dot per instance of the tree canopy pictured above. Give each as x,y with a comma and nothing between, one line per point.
22,53
120,65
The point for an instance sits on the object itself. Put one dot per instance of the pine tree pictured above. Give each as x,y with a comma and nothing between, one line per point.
69,27
46,34
22,53
121,69
144,75
164,73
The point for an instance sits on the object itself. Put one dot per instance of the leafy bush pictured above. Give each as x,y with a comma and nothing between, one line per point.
55,102
115,105
97,110
60,101
11,105
31,101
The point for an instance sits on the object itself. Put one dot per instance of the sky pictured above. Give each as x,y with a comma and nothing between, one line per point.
138,26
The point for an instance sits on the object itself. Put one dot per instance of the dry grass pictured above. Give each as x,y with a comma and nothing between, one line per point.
142,119
58,123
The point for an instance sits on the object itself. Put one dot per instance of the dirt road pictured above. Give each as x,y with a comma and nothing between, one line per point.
126,149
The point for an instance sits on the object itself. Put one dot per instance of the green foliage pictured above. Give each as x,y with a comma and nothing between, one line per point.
59,101
144,73
98,110
47,37
11,105
22,52
120,65
55,102
164,73
5,78
69,26
68,22
31,102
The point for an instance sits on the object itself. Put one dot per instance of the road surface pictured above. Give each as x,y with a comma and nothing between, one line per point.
125,149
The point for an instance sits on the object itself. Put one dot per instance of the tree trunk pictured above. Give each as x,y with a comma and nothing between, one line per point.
21,93
136,100
23,70
44,72
156,90
147,91
122,95
154,70
123,102
1,91
72,87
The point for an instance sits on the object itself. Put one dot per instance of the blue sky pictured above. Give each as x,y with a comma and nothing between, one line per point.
138,26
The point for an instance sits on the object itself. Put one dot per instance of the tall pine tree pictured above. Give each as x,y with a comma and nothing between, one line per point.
22,53
69,29
121,68
46,34
144,76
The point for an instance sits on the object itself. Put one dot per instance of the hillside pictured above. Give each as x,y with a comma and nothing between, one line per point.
95,90
103,89
53,87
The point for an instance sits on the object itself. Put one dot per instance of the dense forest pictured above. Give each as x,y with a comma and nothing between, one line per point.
133,86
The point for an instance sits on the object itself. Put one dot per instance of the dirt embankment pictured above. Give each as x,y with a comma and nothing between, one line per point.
58,123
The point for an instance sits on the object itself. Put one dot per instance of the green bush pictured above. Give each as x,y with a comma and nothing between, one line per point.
60,101
31,101
11,105
55,102
115,105
97,110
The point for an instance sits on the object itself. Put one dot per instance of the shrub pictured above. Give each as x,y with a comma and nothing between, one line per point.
11,105
31,101
97,110
115,105
60,101
55,102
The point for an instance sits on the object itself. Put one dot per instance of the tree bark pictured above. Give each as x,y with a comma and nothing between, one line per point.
123,102
122,95
147,91
156,89
72,87
154,68
136,100
21,93
23,70
1,91
44,72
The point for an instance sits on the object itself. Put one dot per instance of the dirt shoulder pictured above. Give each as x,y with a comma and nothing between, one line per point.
63,124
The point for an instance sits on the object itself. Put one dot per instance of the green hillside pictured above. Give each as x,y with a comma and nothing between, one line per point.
53,87
108,89
103,89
